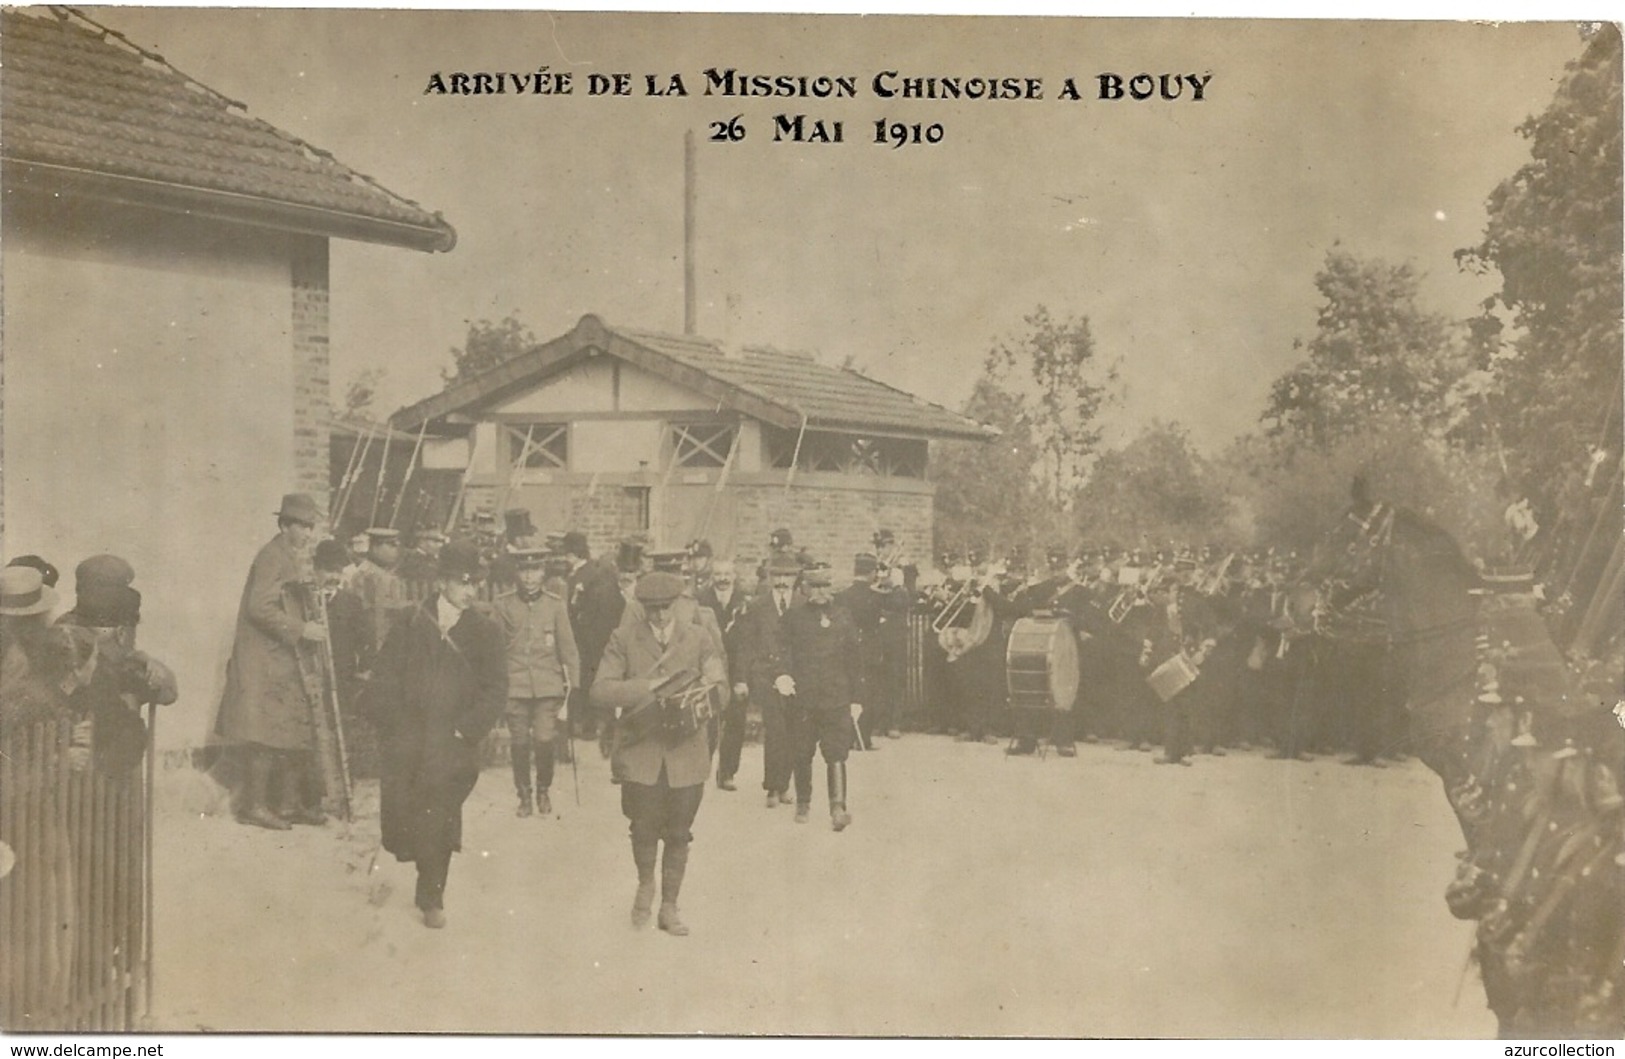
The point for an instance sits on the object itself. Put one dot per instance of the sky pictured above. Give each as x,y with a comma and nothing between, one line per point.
1188,232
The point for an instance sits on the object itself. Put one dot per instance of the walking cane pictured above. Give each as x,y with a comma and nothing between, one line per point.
569,739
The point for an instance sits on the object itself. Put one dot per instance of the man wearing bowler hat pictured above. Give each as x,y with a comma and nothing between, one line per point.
662,761
264,710
438,686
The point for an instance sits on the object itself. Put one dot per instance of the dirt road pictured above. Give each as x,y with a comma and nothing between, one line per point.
973,895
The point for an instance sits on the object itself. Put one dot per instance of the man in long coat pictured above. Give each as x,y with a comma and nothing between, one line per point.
264,710
438,686
662,770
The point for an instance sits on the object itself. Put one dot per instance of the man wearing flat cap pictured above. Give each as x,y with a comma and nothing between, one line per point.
264,711
662,767
437,688
543,665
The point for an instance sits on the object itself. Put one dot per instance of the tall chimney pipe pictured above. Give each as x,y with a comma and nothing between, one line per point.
689,312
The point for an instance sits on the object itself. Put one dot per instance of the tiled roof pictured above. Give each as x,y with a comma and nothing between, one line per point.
78,99
785,389
826,395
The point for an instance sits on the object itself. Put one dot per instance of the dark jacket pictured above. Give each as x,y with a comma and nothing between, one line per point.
823,643
731,622
433,697
762,644
596,604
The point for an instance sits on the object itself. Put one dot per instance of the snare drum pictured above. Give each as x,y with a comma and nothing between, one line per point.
1173,676
1041,664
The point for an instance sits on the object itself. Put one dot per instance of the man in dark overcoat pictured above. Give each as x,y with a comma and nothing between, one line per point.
596,604
880,614
264,710
825,692
438,686
765,659
662,769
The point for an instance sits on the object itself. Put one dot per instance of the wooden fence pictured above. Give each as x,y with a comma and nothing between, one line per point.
76,908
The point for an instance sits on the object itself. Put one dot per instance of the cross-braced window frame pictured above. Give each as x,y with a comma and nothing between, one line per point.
702,445
539,446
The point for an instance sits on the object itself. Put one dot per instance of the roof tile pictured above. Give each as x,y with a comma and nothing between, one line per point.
75,97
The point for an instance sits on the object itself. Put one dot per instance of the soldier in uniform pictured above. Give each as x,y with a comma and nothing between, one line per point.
382,592
264,710
543,665
726,601
824,690
766,660
662,770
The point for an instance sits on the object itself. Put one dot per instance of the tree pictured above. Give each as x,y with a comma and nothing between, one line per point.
987,494
1290,493
1062,387
487,346
1153,490
1375,352
1554,234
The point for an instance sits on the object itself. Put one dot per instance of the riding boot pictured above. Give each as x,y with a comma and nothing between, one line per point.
671,883
545,759
256,788
291,788
644,855
839,818
519,755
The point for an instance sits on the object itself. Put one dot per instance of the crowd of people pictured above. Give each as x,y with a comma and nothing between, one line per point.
1187,649
671,658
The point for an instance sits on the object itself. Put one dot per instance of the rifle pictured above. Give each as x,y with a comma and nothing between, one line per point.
321,689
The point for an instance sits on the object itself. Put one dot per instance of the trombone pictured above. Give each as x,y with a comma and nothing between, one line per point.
963,597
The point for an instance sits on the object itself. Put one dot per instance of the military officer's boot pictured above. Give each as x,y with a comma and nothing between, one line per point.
519,754
644,855
671,882
254,808
839,818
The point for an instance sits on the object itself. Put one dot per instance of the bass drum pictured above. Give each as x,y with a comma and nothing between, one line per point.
1041,664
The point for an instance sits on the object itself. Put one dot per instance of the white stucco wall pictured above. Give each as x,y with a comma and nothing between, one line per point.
149,413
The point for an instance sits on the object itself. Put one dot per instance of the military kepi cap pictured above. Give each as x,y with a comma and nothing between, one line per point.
658,587
783,564
529,558
819,575
383,535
